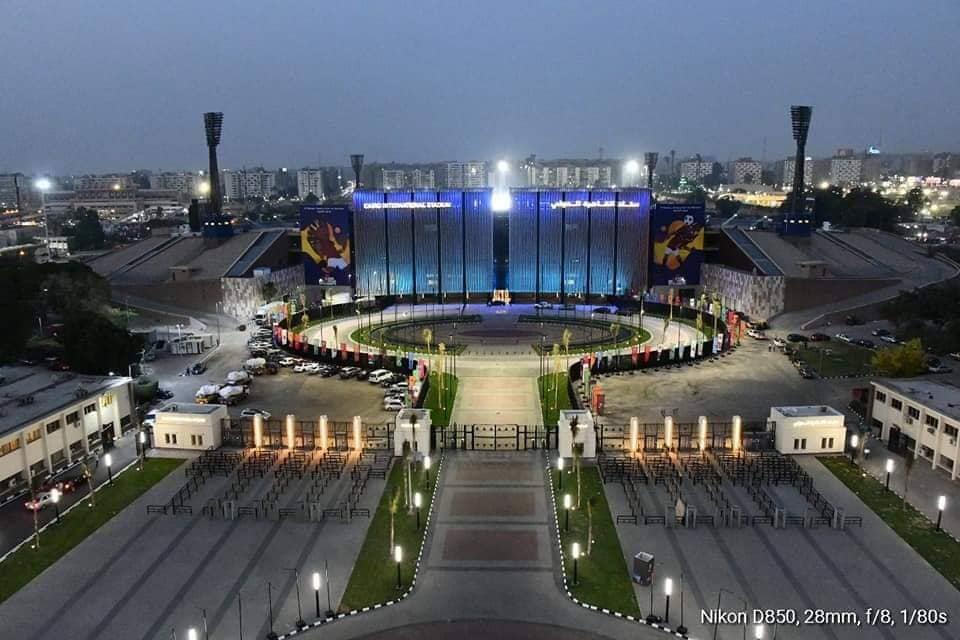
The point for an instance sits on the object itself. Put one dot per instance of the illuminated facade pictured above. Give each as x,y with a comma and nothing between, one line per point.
462,243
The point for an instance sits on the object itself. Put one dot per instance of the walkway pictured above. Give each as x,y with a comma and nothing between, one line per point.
490,562
489,393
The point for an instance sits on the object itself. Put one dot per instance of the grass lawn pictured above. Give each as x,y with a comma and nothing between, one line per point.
836,358
441,416
27,563
552,399
370,335
936,547
374,576
602,577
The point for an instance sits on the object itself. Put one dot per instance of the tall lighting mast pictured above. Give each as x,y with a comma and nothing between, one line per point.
213,123
800,117
650,160
356,161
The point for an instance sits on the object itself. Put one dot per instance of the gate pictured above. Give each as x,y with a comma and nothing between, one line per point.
494,437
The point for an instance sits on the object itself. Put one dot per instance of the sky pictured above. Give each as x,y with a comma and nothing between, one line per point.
122,85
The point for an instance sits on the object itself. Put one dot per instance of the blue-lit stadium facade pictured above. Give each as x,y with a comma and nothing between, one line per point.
555,244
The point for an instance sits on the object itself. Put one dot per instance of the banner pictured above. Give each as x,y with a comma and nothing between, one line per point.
343,350
646,354
356,352
677,231
635,354
325,239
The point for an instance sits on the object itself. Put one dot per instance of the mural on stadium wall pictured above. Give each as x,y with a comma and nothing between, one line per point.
677,232
325,238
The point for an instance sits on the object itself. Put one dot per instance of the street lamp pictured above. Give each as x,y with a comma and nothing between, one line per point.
43,185
567,503
889,471
560,472
55,499
575,552
108,460
316,590
854,441
191,634
398,558
758,631
143,447
667,592
632,169
417,502
296,575
941,505
426,469
681,629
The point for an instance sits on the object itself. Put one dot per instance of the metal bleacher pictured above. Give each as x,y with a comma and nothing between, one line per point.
759,258
265,240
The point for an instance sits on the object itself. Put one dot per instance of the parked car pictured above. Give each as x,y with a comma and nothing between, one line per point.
542,305
287,362
879,333
819,337
378,375
853,320
866,343
602,310
300,367
164,394
42,501
892,339
198,368
311,368
363,374
393,404
938,367
796,337
348,372
328,371
756,335
779,342
843,337
955,355
807,373
249,413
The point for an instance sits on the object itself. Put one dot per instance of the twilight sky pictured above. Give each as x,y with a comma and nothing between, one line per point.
115,85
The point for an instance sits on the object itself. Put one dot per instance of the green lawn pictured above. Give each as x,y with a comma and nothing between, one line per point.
440,412
27,563
627,334
603,579
936,547
553,396
370,335
836,358
374,576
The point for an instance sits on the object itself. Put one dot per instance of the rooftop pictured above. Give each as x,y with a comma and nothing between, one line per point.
942,398
808,411
29,394
190,407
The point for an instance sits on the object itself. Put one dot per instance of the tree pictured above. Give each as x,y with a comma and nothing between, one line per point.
87,232
269,291
311,198
914,200
93,344
394,505
955,216
592,502
901,361
727,207
577,449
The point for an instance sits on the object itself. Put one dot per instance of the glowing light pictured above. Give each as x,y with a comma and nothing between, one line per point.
941,503
316,581
632,166
407,205
824,185
889,465
398,554
575,550
503,166
567,501
668,587
501,201
357,444
43,184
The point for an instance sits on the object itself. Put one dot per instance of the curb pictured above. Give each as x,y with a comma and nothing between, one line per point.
389,603
586,605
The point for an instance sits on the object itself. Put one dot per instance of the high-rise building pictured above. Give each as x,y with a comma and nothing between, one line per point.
569,174
423,179
695,170
745,171
9,186
243,184
788,168
102,183
183,182
846,168
310,181
466,175
392,179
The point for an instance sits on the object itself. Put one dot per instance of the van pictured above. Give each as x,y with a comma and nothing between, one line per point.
379,375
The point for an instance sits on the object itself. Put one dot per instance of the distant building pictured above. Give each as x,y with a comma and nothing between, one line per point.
243,184
423,179
8,191
788,168
569,174
695,170
392,179
101,183
745,171
807,429
185,183
466,175
310,181
846,168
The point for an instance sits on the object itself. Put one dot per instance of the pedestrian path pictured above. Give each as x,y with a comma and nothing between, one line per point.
487,394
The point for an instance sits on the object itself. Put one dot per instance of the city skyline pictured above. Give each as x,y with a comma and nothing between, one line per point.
457,93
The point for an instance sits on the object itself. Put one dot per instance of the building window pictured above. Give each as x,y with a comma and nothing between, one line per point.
949,430
33,436
946,463
57,457
199,441
913,412
932,422
803,443
880,396
829,443
73,417
53,427
193,440
90,408
106,400
166,438
896,404
9,447
799,444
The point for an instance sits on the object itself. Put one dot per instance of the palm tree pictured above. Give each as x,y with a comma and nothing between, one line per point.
428,338
577,450
592,502
394,505
407,481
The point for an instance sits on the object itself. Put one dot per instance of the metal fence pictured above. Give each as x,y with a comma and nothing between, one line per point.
307,435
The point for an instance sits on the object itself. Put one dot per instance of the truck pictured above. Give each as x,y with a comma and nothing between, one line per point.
207,394
239,377
232,394
255,366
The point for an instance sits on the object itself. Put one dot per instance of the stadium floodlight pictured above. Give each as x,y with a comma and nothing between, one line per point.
356,162
650,161
800,120
501,201
503,166
632,166
42,184
213,125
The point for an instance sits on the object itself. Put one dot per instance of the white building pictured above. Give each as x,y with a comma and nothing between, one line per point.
257,183
392,179
807,429
746,171
423,179
560,176
695,170
466,175
184,425
310,181
183,182
788,168
845,168
49,421
919,418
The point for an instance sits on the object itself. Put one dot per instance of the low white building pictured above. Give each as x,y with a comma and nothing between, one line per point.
184,425
920,418
50,421
807,429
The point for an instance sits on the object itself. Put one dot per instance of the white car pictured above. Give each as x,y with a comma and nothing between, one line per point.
44,498
393,404
756,334
542,305
893,340
288,362
249,413
844,337
378,375
779,342
300,367
311,368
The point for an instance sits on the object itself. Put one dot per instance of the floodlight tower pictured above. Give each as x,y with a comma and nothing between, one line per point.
356,161
650,161
800,117
213,123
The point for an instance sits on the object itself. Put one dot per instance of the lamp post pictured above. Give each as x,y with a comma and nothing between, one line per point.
426,469
854,441
575,552
417,502
560,472
296,575
316,590
43,185
889,468
941,505
108,460
567,503
191,634
55,499
142,437
667,592
398,558
681,629
326,578
273,634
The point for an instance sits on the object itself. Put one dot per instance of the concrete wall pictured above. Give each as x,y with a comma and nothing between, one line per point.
199,295
803,293
242,296
760,297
